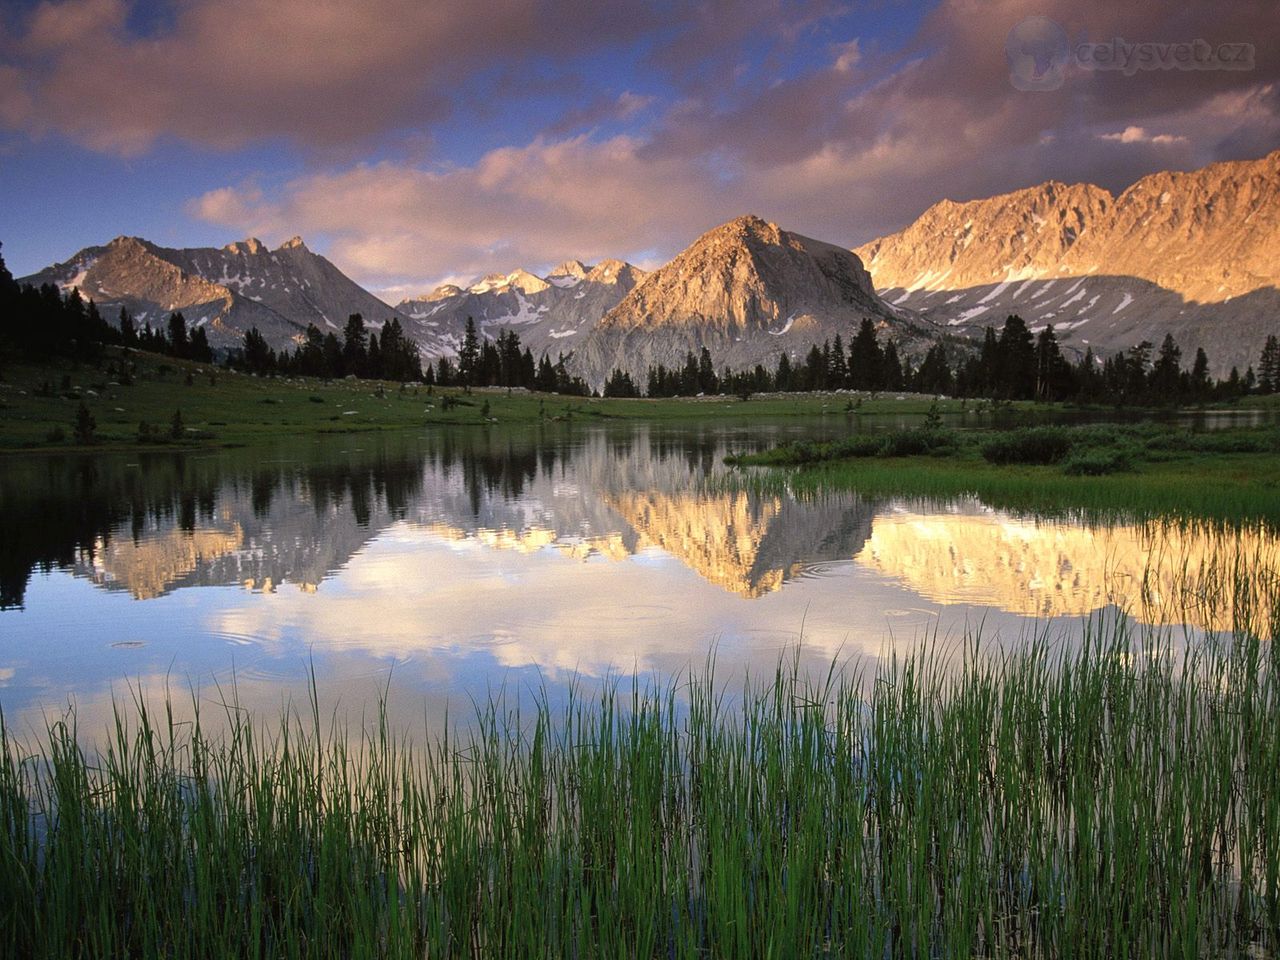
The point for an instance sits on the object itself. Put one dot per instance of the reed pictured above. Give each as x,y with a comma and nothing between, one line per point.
1109,796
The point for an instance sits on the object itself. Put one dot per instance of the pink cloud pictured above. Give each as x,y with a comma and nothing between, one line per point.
321,72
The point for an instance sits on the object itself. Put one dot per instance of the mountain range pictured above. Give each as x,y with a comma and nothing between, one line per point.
1194,254
551,314
226,290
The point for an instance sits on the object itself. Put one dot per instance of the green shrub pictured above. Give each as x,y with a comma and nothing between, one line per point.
858,445
910,443
1097,463
1034,445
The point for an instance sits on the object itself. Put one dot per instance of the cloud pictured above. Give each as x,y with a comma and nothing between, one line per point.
853,139
320,72
599,111
1132,134
532,205
848,56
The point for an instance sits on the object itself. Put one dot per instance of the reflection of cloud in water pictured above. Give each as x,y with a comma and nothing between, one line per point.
413,593
1162,573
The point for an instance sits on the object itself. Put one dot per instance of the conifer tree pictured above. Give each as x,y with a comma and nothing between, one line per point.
469,355
1269,366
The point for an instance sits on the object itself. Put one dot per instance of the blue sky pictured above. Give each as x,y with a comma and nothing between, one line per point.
420,142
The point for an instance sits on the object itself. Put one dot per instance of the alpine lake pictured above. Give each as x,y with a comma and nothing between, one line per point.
427,569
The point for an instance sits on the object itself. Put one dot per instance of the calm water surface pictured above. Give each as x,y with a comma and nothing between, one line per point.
440,566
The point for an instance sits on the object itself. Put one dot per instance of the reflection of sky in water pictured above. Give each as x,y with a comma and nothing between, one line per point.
453,570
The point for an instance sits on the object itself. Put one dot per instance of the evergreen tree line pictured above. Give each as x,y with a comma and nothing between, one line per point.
361,353
43,322
503,363
1012,364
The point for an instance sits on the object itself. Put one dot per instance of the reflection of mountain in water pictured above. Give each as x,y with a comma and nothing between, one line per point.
170,521
154,523
744,542
616,496
1163,573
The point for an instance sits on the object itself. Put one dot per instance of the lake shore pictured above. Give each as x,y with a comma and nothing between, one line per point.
218,407
1142,469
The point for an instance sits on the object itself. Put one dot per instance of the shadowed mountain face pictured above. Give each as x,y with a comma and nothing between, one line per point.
551,314
226,290
1194,254
748,291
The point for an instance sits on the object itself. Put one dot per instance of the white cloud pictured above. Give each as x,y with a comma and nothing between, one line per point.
1132,134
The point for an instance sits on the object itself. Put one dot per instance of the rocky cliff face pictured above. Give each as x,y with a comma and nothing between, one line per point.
227,290
1195,254
748,291
551,314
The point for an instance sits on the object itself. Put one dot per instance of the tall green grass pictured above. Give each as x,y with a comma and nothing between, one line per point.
1113,797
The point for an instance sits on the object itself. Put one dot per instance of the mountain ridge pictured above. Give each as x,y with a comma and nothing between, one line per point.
550,313
227,290
747,290
1194,253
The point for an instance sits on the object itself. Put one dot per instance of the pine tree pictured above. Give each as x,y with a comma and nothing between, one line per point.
838,365
1201,385
179,345
1166,372
1053,375
545,381
1269,366
815,369
355,346
469,355
865,359
258,356
706,373
891,367
8,286
782,379
128,330
1017,363
201,352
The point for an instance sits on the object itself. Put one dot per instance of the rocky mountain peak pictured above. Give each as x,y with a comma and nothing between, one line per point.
612,271
747,290
293,243
247,247
124,244
570,268
1189,253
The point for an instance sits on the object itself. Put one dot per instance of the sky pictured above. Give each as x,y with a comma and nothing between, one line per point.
415,142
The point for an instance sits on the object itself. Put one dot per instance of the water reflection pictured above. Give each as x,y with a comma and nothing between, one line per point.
574,548
1162,572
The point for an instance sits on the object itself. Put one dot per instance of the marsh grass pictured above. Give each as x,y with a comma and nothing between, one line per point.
1105,485
1113,796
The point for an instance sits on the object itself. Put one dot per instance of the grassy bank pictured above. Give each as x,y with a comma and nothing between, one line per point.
38,404
1113,798
1140,469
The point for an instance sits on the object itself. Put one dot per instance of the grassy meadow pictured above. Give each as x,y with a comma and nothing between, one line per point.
38,404
1142,469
